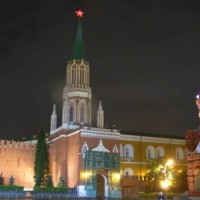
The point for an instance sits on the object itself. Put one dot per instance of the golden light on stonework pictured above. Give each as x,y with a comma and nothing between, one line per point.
116,177
86,174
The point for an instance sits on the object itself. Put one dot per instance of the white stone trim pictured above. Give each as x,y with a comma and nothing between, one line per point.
100,147
152,139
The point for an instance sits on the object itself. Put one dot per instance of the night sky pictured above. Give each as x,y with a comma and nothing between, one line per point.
144,59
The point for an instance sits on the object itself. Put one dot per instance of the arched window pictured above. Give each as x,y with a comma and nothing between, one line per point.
150,152
71,113
82,112
128,172
179,154
121,151
81,75
74,75
160,152
128,151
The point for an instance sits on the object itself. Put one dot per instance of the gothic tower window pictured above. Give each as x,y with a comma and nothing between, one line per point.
82,112
73,75
71,113
82,76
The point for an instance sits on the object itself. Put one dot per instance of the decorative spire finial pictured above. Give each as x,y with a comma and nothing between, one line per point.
79,13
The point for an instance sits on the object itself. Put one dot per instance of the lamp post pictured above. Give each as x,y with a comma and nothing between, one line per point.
166,182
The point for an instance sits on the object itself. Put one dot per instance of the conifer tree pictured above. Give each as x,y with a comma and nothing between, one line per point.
41,168
1,179
49,182
61,182
11,181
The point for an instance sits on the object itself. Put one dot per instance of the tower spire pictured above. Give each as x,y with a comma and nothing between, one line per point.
77,93
100,116
53,119
78,51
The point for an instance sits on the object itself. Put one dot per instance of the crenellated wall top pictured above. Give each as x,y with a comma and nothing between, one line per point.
11,144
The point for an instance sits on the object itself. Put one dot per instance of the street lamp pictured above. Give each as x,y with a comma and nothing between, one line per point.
166,182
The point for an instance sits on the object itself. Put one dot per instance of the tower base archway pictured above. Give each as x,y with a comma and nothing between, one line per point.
100,186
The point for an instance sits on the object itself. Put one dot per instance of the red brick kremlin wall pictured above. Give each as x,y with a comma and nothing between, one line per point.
17,160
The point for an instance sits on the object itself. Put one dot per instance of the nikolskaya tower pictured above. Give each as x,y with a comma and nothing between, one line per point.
86,157
77,94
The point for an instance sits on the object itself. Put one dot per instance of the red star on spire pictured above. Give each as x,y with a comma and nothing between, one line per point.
79,13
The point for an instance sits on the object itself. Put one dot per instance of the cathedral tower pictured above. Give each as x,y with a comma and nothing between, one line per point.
77,92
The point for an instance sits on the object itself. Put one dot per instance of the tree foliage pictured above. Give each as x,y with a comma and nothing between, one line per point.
180,182
1,179
41,167
49,182
157,173
154,174
11,181
61,182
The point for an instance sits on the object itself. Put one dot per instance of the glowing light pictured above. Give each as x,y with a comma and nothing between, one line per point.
86,174
197,96
117,176
165,184
169,162
79,13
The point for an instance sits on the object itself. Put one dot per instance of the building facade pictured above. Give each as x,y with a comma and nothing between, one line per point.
193,158
94,161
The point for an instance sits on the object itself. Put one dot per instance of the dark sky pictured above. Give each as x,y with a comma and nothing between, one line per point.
144,59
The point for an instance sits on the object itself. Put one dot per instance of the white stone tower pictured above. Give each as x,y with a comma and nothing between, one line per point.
77,92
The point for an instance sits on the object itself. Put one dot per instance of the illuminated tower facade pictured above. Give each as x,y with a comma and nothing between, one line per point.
198,104
77,92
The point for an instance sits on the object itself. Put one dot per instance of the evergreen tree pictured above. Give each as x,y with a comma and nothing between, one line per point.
41,168
1,179
11,181
61,182
49,182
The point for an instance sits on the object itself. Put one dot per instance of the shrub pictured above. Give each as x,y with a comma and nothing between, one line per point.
50,189
11,187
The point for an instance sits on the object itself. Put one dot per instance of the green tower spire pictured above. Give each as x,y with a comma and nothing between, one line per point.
78,51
